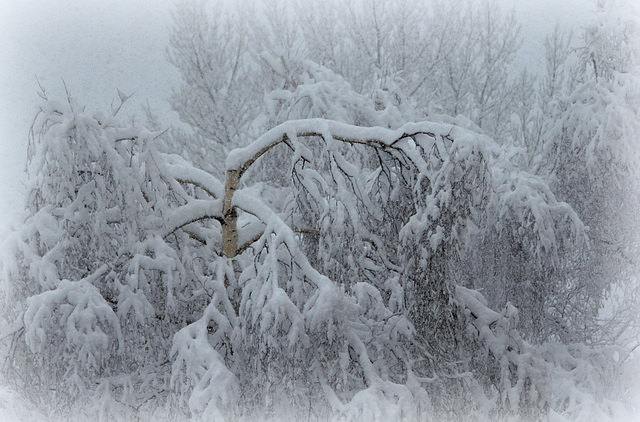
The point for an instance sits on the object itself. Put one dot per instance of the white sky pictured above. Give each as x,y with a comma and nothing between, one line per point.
98,46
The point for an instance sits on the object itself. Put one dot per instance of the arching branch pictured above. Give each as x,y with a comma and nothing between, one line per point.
240,159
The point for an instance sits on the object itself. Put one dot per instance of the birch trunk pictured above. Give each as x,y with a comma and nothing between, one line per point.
230,215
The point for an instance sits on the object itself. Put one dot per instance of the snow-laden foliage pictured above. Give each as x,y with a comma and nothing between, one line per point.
518,253
94,285
344,264
591,152
437,185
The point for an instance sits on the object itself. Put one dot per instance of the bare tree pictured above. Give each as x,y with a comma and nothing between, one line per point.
219,93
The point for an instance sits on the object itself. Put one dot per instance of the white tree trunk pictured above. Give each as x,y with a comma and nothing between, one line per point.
230,215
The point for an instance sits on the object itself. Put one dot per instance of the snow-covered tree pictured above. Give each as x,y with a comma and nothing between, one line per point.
333,291
96,287
594,156
346,263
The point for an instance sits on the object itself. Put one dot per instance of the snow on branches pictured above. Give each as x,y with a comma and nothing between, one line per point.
295,315
324,291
